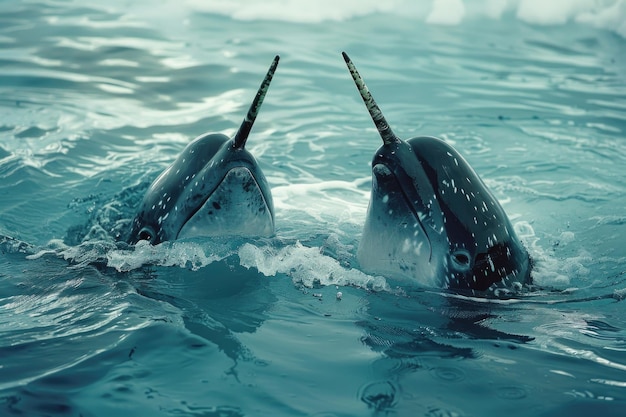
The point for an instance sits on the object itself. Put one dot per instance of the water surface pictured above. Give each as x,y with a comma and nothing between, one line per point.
95,101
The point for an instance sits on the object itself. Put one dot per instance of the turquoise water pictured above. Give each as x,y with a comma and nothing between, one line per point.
95,101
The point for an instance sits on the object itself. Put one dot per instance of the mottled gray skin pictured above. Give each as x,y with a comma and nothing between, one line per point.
214,188
431,220
179,195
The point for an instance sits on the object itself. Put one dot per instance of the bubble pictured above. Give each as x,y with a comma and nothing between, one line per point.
441,412
379,396
448,374
511,393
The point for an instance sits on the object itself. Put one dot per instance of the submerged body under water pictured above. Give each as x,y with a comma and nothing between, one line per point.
96,102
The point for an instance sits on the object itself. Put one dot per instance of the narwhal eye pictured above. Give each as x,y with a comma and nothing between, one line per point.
460,259
146,233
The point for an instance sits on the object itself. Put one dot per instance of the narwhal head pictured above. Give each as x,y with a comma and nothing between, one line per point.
214,188
431,219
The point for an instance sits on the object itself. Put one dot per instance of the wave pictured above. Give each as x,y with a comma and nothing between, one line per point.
602,14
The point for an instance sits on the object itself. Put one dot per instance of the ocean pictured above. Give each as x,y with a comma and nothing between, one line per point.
97,99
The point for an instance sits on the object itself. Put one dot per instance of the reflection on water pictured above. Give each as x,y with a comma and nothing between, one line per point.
96,100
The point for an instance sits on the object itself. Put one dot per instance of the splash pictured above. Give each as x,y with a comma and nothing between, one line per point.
307,266
550,271
190,255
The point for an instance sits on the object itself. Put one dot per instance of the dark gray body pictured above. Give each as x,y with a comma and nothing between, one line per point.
431,220
214,188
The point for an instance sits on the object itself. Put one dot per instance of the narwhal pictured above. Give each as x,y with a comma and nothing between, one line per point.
214,188
431,220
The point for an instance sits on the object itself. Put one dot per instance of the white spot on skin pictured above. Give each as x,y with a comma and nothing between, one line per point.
418,248
385,199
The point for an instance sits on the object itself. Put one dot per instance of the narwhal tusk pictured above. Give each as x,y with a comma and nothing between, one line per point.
377,116
244,130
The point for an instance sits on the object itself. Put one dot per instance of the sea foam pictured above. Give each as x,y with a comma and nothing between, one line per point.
603,14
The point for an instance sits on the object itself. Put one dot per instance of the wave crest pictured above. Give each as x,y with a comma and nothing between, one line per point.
605,14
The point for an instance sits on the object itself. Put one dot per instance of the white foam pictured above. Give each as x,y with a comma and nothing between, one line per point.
306,266
446,12
294,10
189,255
605,14
550,270
548,12
611,18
